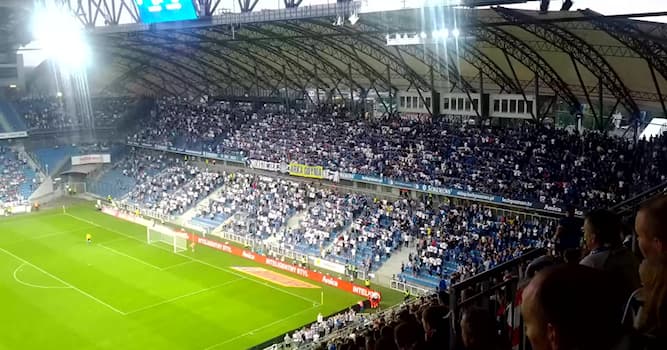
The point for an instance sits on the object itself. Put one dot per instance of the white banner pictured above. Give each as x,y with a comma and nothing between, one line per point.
263,165
13,135
328,265
91,159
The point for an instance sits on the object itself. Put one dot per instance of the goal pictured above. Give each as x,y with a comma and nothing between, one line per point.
159,233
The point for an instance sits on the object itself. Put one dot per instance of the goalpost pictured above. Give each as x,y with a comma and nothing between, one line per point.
159,233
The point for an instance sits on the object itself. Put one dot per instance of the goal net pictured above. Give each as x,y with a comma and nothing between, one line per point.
159,233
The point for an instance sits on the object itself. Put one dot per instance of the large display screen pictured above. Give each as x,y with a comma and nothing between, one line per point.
155,11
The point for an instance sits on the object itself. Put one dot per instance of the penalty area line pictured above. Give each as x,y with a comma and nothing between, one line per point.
230,271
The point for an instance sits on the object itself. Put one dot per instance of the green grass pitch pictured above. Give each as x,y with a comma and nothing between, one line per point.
119,292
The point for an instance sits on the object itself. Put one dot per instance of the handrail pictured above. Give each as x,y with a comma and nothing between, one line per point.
624,206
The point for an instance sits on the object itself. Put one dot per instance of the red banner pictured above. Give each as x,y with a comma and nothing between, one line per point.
311,275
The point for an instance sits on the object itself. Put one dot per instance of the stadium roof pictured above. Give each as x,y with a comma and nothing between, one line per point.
579,56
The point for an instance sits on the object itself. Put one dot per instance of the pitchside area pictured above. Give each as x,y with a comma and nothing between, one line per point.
58,292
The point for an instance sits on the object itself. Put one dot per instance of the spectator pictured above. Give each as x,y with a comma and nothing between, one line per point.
651,227
653,314
602,234
572,307
480,332
436,327
409,336
568,234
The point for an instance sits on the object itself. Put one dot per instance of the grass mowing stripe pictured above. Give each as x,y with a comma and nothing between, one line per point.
251,332
61,280
181,297
46,235
315,302
177,265
141,261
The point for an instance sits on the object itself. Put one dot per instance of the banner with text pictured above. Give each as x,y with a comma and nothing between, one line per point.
91,159
302,170
13,135
328,265
264,165
311,275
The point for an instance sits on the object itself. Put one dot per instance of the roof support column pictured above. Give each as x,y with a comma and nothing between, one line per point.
349,72
391,95
286,88
537,97
599,124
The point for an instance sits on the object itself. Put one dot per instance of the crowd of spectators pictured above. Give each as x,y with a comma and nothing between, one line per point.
540,164
456,242
17,179
260,205
327,218
175,189
603,301
46,113
180,123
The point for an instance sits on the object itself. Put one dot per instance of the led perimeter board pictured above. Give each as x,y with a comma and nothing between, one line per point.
156,11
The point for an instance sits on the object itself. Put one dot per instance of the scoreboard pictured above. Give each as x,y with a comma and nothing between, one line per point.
155,11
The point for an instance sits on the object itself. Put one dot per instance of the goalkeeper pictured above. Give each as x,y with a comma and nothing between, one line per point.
89,238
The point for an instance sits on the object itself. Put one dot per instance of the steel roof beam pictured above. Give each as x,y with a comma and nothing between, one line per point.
578,48
523,53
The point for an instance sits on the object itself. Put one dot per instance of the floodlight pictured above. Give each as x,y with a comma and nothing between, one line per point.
435,33
354,17
444,33
59,94
456,32
12,86
60,36
422,35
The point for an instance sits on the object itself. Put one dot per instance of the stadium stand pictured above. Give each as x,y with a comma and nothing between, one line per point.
9,119
545,165
51,158
53,113
18,180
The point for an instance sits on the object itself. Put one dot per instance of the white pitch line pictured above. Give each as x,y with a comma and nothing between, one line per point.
251,332
177,265
34,285
181,297
46,235
141,261
200,261
61,280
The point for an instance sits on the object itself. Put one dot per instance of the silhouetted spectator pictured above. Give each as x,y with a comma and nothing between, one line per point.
479,331
651,227
602,234
568,234
572,307
435,323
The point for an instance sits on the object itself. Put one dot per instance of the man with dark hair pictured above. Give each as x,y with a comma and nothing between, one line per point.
568,232
435,323
572,307
602,234
651,227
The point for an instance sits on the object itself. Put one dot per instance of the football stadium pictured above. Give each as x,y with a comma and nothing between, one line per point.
333,175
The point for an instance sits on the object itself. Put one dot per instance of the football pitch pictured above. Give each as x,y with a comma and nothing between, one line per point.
58,292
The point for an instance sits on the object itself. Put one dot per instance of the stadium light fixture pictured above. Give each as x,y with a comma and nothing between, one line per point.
354,17
544,6
444,33
422,35
61,37
59,94
12,86
456,32
567,5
